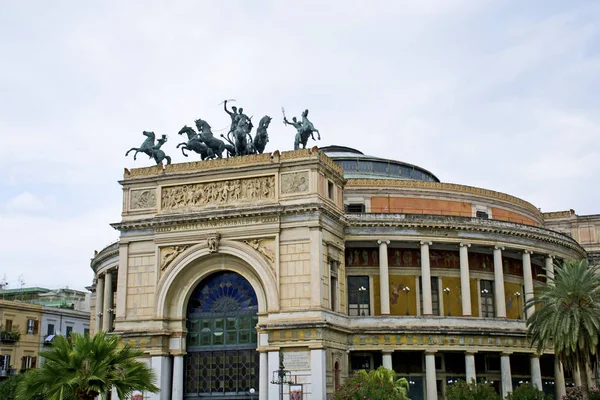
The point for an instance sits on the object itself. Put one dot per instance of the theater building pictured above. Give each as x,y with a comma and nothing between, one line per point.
325,262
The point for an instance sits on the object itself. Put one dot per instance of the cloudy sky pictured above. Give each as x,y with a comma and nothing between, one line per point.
496,94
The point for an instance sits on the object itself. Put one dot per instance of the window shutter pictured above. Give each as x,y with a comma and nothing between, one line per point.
33,360
23,362
2,360
36,325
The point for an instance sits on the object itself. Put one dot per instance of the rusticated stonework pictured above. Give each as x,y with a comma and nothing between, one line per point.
143,198
296,182
217,193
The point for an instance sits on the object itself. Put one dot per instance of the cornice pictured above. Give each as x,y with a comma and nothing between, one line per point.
106,253
452,187
461,223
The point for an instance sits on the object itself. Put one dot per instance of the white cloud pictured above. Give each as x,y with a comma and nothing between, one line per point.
25,202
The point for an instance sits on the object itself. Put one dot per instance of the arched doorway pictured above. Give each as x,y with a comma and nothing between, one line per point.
221,358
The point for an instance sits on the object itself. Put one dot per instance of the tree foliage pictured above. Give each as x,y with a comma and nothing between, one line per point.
462,390
8,389
85,367
526,391
380,384
567,316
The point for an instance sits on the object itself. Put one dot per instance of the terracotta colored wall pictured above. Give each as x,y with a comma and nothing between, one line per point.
420,206
505,215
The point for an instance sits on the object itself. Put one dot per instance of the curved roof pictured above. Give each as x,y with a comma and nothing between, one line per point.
358,165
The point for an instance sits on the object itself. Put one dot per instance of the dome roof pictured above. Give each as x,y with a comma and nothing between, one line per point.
357,165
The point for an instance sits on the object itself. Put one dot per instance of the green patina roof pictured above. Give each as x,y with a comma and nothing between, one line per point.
25,290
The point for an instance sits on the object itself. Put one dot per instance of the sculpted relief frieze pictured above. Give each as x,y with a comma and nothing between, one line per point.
168,254
266,247
218,193
296,182
142,198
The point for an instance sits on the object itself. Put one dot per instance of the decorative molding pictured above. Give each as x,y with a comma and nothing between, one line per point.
168,254
212,240
452,187
266,247
559,214
142,198
217,193
295,182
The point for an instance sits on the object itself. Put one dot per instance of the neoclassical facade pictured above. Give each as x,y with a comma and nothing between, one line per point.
323,262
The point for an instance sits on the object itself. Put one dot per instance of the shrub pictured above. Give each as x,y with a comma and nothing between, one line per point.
526,391
8,389
594,394
573,393
462,390
374,385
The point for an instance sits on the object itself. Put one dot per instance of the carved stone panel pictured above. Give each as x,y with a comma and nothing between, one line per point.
168,254
266,247
296,182
218,193
142,198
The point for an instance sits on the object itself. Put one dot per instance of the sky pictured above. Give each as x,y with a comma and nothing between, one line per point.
495,94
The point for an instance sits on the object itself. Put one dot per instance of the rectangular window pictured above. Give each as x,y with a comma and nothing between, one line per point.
330,190
482,214
487,299
333,285
28,362
69,331
355,208
359,297
4,362
50,330
86,331
30,326
9,324
435,295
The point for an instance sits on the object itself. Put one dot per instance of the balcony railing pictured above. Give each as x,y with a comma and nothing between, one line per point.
6,372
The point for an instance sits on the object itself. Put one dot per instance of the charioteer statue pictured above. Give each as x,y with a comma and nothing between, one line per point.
305,129
151,149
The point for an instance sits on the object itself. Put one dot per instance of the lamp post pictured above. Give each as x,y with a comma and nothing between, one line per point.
518,296
361,291
281,377
484,292
406,290
447,292
252,391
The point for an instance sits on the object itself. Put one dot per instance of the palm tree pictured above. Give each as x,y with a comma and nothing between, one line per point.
84,367
567,316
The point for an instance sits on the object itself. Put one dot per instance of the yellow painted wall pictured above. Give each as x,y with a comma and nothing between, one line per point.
512,303
376,296
452,300
398,298
474,298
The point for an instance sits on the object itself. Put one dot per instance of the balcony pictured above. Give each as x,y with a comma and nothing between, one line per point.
6,372
9,336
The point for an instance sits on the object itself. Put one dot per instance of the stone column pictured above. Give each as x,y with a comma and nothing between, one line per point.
550,266
263,380
108,303
99,304
465,285
560,388
317,374
426,280
386,357
177,393
470,367
430,376
384,277
528,282
506,375
536,372
273,364
499,284
162,369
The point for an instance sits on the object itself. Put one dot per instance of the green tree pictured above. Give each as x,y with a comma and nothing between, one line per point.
380,384
567,316
84,367
462,390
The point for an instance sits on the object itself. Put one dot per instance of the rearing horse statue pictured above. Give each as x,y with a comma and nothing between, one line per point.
153,151
194,144
216,145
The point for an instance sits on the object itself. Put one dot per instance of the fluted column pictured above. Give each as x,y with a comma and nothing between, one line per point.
263,380
560,388
536,372
384,277
99,303
426,279
527,281
549,266
465,286
499,283
506,374
177,384
108,303
470,367
386,358
430,376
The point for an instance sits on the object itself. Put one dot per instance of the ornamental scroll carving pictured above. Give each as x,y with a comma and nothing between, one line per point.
217,193
168,254
144,198
266,247
296,182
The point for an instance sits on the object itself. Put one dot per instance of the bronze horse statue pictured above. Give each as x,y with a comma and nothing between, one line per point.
153,150
194,144
261,138
205,135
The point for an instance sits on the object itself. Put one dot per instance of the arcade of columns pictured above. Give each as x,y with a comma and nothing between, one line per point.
500,302
105,293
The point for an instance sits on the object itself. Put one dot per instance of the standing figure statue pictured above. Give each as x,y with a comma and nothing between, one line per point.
233,115
153,150
304,128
